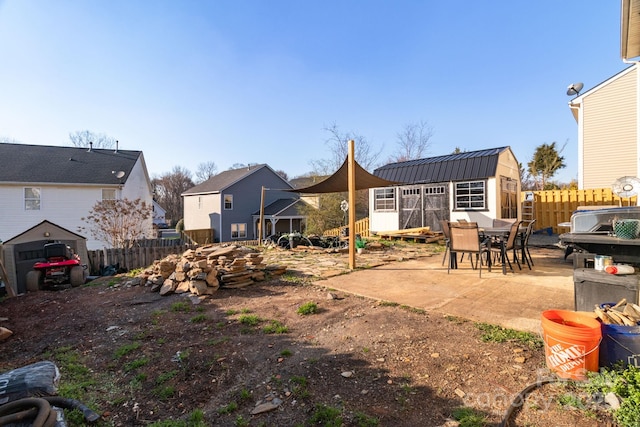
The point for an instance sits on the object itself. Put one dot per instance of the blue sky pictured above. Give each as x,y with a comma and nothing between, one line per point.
257,81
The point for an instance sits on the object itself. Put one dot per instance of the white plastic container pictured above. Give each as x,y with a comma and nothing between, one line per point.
620,269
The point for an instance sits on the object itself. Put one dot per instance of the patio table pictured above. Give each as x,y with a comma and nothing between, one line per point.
500,234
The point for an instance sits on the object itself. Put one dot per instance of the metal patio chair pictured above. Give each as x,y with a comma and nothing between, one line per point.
465,238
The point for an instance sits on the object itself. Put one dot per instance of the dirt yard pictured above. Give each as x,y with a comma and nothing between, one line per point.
248,357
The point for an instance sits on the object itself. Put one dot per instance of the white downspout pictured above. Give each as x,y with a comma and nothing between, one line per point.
578,108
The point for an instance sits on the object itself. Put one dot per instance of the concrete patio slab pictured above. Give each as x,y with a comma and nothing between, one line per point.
515,300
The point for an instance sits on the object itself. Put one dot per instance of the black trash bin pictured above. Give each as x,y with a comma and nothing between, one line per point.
593,287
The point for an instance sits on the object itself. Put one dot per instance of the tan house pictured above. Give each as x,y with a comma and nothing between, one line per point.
607,115
608,143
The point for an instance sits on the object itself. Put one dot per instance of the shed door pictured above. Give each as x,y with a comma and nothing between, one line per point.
423,206
436,205
411,207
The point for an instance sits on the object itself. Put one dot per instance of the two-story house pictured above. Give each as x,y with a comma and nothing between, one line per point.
226,207
62,185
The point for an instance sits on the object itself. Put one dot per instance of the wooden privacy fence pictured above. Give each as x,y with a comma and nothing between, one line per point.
202,237
133,258
552,207
361,228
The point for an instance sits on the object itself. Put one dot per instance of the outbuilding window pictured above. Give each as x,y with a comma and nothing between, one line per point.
384,199
470,195
31,199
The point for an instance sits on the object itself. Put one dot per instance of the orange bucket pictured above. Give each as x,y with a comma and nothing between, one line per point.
571,342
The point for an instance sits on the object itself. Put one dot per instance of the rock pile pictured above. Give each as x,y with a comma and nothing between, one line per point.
202,271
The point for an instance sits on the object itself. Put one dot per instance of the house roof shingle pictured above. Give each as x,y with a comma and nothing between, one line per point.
64,165
225,179
280,207
451,167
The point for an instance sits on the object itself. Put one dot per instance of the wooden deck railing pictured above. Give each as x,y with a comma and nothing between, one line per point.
361,228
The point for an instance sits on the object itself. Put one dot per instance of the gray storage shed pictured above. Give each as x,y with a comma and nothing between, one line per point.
20,252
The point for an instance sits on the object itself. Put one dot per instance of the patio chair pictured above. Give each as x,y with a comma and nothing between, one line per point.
465,238
503,246
523,245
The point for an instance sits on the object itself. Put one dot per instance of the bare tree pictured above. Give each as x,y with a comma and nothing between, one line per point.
119,223
526,181
365,155
413,142
339,148
82,138
168,189
205,171
7,140
282,175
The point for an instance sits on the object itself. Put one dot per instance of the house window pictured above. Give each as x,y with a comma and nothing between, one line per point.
228,202
31,199
108,194
384,199
470,195
238,231
508,199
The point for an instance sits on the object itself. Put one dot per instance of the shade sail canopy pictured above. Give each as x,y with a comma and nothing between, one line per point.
339,181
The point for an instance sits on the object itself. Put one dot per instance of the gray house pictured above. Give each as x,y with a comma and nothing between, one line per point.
477,186
227,205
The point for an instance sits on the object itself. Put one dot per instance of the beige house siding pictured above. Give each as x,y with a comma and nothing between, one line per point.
507,168
610,132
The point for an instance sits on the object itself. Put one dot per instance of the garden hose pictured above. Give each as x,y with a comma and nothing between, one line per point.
41,412
63,402
518,402
26,409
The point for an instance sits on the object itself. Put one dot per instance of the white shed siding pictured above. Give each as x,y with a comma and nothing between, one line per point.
380,221
610,132
384,221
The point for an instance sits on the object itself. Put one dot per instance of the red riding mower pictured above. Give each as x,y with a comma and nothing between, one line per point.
61,267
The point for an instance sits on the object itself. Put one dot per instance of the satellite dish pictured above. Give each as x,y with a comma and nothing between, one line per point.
119,174
626,187
574,89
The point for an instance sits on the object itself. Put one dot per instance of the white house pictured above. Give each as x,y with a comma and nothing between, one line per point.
159,213
62,184
477,186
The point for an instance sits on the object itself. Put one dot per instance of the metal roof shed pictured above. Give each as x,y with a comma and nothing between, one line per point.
477,186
